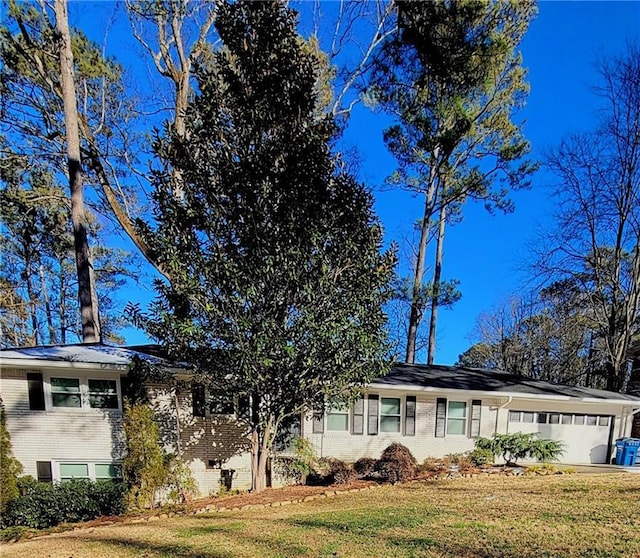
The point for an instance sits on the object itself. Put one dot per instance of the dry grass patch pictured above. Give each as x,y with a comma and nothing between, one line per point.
559,516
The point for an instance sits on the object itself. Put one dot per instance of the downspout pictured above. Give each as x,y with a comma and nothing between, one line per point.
508,402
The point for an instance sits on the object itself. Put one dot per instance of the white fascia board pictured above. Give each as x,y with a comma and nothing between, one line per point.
36,364
503,394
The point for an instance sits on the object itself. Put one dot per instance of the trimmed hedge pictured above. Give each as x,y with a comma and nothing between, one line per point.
45,505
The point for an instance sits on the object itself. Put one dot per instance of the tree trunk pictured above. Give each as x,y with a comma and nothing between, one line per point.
86,287
416,311
53,338
435,295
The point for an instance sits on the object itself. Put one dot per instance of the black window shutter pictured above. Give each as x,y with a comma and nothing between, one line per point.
372,424
198,400
410,416
441,417
44,471
476,408
318,421
36,391
357,416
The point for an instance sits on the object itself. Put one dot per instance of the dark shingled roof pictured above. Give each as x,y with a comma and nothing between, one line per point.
477,379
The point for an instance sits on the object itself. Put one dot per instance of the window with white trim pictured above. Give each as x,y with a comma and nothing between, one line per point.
87,470
85,392
390,414
338,418
457,418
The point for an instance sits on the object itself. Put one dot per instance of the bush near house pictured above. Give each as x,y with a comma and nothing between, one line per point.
10,467
365,467
519,445
396,464
45,505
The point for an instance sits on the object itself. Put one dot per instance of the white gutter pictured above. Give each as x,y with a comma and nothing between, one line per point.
500,394
34,364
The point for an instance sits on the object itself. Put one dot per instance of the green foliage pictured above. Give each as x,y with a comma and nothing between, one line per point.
46,505
301,465
144,465
481,456
519,445
180,482
272,247
397,464
10,467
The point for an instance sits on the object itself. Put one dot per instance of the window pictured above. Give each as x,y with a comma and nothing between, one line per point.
90,471
542,418
65,392
578,419
103,394
603,421
566,419
514,416
338,418
457,418
389,414
220,403
70,471
527,417
208,401
554,418
592,420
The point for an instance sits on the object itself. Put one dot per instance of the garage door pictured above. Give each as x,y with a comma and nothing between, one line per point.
585,437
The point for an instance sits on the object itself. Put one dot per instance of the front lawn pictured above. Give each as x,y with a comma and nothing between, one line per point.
567,515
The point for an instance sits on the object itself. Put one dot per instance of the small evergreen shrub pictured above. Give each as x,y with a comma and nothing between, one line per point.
520,446
46,505
297,468
481,457
397,464
365,467
10,467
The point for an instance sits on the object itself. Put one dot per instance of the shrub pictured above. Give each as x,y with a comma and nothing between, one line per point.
365,467
10,467
46,505
182,487
144,466
520,446
299,467
396,464
481,456
340,472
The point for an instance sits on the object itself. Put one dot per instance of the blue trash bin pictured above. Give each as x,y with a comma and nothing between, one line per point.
627,451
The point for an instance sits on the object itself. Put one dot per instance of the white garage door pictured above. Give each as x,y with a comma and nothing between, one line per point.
585,437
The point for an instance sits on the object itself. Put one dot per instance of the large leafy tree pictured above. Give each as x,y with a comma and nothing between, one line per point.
453,79
273,249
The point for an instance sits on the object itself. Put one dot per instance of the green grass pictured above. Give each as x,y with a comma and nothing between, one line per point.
557,516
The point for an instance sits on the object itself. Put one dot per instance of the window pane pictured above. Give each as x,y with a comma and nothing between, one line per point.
514,416
457,409
389,424
220,403
103,394
337,421
108,471
566,419
578,419
389,406
592,420
527,417
554,418
542,418
603,421
65,392
74,470
65,384
456,426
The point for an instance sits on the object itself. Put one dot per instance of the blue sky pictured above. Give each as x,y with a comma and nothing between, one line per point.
485,253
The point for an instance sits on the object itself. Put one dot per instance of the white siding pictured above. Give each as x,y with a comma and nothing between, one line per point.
57,434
